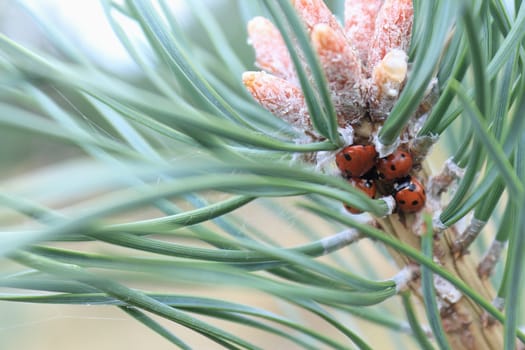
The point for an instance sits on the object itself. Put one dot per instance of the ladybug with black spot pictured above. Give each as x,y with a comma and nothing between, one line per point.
367,186
409,194
396,165
356,160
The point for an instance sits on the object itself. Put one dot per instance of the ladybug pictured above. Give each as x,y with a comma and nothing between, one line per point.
356,160
409,194
370,174
395,166
367,186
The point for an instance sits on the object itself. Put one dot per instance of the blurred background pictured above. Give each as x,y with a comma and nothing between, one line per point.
84,23
26,165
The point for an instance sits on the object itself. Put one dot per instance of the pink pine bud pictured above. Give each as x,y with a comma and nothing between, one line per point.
343,71
279,97
316,12
393,29
360,19
270,50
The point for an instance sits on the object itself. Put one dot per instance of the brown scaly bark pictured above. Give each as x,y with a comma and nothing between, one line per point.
464,321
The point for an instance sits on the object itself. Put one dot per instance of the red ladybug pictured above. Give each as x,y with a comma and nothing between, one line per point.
368,186
409,194
395,166
356,160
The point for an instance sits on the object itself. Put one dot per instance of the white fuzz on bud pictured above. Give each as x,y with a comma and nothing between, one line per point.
384,150
390,203
446,291
403,277
453,168
347,134
438,225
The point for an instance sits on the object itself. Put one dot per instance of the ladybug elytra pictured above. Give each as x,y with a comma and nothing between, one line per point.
367,186
395,166
409,194
356,160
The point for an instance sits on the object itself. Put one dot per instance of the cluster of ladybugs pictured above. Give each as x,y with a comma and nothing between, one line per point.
390,175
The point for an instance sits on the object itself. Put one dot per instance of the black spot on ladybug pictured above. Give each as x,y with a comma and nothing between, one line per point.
403,155
348,157
415,202
393,167
402,202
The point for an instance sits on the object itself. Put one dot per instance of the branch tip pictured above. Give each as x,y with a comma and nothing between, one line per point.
405,276
384,150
